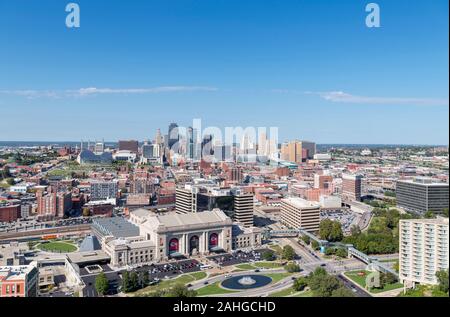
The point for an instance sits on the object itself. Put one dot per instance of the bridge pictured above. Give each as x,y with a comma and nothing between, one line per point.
292,233
371,261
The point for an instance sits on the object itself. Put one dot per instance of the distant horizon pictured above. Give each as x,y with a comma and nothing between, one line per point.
318,144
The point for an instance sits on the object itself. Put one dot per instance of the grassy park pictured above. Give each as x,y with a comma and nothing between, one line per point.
361,281
165,284
57,247
258,265
213,289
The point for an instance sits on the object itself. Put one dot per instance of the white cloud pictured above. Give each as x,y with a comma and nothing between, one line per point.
154,90
32,94
342,97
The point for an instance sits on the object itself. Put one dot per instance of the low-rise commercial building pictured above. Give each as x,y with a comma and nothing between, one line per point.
18,281
299,213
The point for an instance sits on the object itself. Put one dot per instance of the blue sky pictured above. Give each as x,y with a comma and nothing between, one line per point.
311,68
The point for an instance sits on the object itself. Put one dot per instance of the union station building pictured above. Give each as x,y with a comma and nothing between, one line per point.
148,238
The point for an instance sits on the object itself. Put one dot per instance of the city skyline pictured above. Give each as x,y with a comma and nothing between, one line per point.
313,69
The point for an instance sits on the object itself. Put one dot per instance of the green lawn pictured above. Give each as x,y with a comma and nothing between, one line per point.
267,265
361,281
198,275
245,266
257,265
57,246
304,294
213,289
164,284
276,277
283,293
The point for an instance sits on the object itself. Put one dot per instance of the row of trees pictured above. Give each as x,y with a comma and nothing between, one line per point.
287,253
322,284
133,281
340,252
382,234
178,290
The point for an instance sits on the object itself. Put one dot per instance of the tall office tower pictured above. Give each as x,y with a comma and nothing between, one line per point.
104,189
235,174
298,151
423,250
299,213
263,144
308,150
222,153
207,146
185,200
243,208
421,195
129,145
284,151
247,145
147,150
351,187
173,136
99,148
158,137
190,144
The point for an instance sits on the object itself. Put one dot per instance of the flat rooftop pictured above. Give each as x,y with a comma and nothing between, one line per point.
14,272
117,227
300,202
423,181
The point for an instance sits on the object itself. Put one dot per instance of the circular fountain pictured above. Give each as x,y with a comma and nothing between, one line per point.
246,282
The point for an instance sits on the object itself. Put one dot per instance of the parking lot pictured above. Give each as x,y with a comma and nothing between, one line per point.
156,272
346,218
237,257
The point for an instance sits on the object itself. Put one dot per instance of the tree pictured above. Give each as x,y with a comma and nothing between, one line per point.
336,233
342,292
180,290
292,268
306,239
442,277
101,284
325,229
330,230
126,284
145,278
324,285
341,252
268,255
355,230
396,266
288,253
429,215
445,212
300,283
134,281
314,244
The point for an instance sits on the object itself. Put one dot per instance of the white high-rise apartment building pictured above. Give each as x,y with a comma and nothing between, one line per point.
423,250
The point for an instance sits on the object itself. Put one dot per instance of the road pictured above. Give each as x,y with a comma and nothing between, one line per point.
355,289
